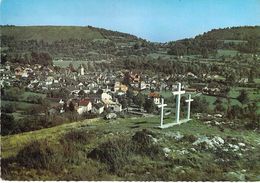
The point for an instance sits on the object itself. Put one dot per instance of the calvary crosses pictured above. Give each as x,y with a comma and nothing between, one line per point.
162,105
179,92
189,101
178,101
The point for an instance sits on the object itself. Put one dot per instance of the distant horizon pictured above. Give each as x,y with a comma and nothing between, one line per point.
154,20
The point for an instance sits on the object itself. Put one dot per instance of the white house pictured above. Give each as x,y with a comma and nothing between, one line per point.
116,107
84,106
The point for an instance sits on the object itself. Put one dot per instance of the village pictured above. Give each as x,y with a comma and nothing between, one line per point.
96,92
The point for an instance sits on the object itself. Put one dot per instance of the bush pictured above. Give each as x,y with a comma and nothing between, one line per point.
8,108
8,124
189,138
38,155
115,153
143,144
79,136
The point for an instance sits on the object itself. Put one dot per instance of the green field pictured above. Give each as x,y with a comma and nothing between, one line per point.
19,105
222,52
51,33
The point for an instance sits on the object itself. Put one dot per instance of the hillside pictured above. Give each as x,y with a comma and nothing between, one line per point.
241,39
233,33
69,42
90,43
133,150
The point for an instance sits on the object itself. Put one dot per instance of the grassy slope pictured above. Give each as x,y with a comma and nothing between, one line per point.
13,143
51,33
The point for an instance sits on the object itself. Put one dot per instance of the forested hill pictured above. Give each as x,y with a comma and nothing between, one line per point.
90,43
242,39
72,42
234,33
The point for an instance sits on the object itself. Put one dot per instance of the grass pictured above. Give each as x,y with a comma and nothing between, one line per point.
18,105
222,52
13,143
111,139
26,94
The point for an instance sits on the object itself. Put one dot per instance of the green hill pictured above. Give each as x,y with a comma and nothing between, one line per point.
50,33
233,33
242,39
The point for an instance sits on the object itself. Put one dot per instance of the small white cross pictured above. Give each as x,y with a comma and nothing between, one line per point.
189,100
162,105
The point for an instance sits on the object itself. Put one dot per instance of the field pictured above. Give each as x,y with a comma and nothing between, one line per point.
222,52
75,63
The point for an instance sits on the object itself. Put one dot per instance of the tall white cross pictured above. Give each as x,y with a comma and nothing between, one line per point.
162,105
178,101
189,101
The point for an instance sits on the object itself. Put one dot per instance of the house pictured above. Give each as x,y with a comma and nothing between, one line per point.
120,87
98,108
117,107
106,99
135,77
84,105
155,97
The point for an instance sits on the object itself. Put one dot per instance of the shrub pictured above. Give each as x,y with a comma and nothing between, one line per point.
189,138
79,136
9,108
8,124
38,155
115,153
143,144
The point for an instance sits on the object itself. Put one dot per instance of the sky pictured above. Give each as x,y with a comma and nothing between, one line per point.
154,20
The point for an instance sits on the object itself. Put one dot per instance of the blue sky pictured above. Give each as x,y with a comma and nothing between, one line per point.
154,20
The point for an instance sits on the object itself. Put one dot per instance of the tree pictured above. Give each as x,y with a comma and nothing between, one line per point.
200,105
243,97
251,76
8,124
81,93
139,100
149,105
71,106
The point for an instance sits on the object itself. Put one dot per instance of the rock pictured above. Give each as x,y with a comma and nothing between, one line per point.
225,149
241,144
176,135
208,122
166,151
217,123
218,115
234,147
235,176
213,143
193,149
183,151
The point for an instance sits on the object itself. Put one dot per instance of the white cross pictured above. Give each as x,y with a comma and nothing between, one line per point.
162,105
178,101
189,101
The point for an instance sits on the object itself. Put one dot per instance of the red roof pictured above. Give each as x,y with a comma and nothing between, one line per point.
84,102
154,95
